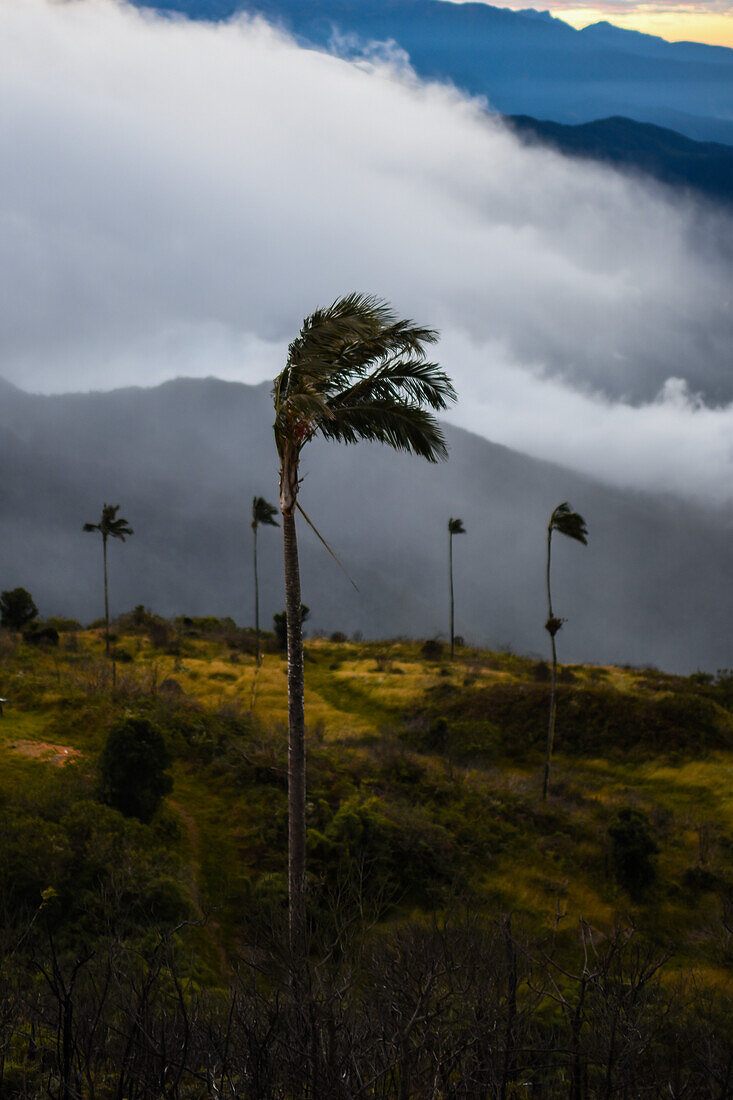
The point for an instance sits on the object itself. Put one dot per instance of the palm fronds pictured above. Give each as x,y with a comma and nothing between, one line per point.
263,513
570,523
109,525
356,371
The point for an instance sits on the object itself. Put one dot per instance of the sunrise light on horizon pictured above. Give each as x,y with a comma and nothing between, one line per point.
709,23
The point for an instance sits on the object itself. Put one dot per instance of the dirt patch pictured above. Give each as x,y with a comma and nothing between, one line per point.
44,750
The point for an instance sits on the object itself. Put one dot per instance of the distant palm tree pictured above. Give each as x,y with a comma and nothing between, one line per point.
354,372
109,527
262,513
571,524
455,527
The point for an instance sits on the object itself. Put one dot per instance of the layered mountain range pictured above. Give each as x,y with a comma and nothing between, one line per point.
654,585
656,107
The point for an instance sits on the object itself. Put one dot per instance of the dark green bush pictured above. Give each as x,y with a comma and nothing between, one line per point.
133,768
390,850
632,851
17,608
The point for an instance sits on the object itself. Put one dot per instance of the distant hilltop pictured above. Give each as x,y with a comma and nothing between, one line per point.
655,584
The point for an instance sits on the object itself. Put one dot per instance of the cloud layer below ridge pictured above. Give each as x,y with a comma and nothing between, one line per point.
175,197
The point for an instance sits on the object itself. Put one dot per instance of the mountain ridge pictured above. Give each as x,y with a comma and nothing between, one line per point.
185,459
521,63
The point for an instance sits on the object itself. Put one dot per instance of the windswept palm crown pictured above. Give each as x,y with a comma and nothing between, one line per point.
263,513
569,523
455,527
109,526
356,371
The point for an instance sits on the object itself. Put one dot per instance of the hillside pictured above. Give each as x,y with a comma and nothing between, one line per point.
424,797
655,584
703,167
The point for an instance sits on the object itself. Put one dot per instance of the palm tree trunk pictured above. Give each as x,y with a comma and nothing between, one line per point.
257,599
106,596
296,746
450,558
551,724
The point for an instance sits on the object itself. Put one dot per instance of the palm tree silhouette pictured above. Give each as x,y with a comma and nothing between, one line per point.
355,371
455,527
571,524
262,513
109,527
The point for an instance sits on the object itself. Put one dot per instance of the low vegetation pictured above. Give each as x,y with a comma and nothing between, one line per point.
514,931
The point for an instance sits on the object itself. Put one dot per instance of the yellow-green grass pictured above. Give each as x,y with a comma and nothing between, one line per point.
546,865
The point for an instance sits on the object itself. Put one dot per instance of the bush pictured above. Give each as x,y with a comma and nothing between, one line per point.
388,850
121,656
632,851
133,768
41,636
432,650
17,608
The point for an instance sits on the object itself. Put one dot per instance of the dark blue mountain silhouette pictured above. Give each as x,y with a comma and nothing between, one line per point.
705,168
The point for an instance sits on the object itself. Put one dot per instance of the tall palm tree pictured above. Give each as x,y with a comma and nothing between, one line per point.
455,527
109,526
571,524
355,371
262,513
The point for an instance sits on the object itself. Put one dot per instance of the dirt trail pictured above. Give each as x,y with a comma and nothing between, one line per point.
44,750
194,864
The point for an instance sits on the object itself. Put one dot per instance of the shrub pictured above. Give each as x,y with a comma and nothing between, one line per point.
17,608
64,626
388,850
432,650
41,636
133,768
122,656
632,851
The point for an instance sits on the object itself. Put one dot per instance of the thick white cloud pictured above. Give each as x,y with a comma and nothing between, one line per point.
174,198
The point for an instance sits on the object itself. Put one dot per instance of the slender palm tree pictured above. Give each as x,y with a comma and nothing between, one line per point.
262,513
355,371
109,526
455,527
572,524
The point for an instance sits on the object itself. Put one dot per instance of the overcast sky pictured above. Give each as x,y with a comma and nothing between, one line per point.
175,197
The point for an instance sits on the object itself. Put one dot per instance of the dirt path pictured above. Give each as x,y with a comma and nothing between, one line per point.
194,865
194,847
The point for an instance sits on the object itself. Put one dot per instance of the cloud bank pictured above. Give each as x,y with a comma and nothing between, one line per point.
175,197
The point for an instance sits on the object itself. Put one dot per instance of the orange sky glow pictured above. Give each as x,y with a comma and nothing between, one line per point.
688,21
679,25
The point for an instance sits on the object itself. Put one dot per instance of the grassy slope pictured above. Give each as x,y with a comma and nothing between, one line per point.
372,711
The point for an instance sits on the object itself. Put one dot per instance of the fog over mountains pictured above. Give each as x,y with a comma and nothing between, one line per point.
654,585
523,62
